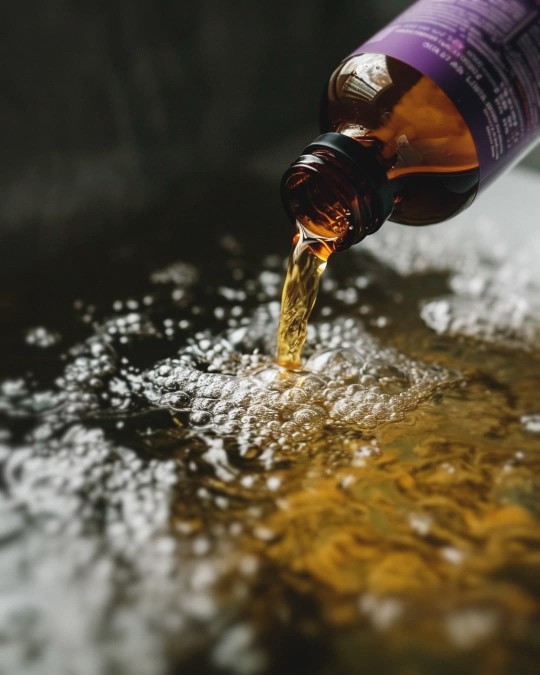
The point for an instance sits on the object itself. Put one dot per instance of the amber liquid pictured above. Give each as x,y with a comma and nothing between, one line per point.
417,135
306,264
414,130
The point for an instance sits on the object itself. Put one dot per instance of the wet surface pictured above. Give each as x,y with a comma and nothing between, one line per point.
173,502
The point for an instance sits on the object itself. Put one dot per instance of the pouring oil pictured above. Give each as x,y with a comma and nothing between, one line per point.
306,264
414,123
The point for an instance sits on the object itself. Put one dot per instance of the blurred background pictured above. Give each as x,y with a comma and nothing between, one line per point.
110,107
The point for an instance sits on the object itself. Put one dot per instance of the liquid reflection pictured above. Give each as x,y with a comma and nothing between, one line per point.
173,501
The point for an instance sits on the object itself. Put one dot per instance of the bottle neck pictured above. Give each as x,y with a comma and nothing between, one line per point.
337,191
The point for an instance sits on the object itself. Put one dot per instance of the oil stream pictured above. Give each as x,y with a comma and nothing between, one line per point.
306,264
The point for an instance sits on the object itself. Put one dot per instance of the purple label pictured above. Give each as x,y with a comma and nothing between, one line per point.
485,55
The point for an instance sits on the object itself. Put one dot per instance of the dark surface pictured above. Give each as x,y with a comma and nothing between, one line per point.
188,223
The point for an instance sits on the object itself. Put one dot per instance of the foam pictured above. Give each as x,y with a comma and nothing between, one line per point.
103,564
531,423
42,337
493,276
348,379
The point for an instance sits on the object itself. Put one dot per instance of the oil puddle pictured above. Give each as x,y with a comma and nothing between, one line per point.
174,502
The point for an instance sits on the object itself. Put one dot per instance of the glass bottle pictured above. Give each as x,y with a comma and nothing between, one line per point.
419,119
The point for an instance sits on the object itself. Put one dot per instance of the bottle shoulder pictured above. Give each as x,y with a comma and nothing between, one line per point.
404,116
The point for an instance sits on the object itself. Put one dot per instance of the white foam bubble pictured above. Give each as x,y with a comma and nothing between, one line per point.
41,336
531,423
348,379
493,271
179,273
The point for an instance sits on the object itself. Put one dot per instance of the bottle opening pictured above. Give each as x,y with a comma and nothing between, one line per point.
336,190
322,206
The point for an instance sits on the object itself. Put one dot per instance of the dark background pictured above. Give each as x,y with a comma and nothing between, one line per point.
111,108
108,107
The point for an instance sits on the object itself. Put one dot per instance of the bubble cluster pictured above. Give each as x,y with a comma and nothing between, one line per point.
508,319
493,271
42,337
88,552
61,559
96,380
531,423
180,274
349,379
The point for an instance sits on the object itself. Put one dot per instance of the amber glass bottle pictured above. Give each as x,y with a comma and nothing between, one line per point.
420,118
